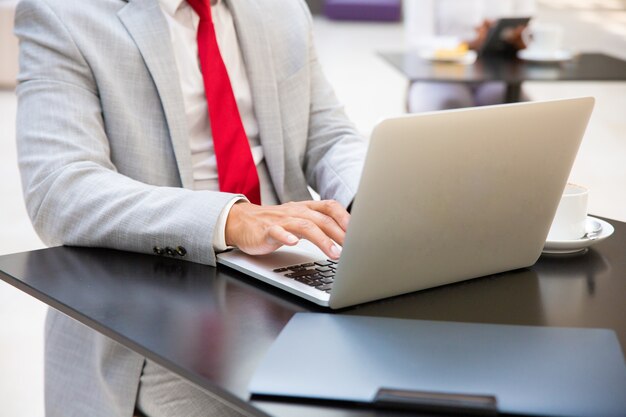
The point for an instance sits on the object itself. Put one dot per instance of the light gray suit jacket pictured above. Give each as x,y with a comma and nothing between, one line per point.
105,160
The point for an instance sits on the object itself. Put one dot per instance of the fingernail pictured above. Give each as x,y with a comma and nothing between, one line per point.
335,251
292,239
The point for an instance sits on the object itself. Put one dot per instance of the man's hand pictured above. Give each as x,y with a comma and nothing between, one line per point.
481,35
259,230
512,36
516,38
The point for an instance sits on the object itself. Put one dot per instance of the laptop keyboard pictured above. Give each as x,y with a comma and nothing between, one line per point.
318,274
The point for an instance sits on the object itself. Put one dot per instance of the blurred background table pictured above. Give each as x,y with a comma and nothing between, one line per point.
512,71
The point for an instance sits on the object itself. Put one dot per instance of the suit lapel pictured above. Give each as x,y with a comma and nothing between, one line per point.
257,56
147,26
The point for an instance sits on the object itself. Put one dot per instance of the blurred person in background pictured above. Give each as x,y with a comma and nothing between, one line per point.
467,21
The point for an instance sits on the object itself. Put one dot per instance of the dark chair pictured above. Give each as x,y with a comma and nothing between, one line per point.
368,10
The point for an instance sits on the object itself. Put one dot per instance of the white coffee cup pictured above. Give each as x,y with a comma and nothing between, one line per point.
546,39
570,218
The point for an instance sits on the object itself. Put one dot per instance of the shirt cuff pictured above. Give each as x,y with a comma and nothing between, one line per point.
219,233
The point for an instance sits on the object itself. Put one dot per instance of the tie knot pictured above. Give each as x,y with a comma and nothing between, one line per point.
202,8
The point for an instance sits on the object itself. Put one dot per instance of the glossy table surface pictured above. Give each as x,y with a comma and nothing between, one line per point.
213,326
583,67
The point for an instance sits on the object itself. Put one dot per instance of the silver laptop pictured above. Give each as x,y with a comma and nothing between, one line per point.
444,197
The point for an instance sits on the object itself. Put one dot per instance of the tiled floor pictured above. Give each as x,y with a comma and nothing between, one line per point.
371,90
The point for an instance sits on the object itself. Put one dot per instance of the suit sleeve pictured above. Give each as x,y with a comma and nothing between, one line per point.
335,151
73,192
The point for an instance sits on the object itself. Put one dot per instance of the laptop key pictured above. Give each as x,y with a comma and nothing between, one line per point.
323,269
328,274
301,273
324,287
322,263
327,280
310,282
279,270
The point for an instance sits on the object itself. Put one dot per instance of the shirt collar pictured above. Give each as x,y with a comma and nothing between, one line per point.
172,6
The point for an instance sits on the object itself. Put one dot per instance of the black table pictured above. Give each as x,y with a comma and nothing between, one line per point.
213,326
512,71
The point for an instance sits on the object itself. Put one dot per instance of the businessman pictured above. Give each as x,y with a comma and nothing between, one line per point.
178,128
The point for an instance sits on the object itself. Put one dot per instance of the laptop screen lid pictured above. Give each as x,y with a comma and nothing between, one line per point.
455,195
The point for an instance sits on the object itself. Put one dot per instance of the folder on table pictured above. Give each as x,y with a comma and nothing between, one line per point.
446,366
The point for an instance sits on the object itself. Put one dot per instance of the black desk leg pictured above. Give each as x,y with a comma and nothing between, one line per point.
513,93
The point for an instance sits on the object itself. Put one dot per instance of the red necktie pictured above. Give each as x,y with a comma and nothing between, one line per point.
236,171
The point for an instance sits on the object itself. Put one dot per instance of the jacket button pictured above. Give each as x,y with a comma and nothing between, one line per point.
169,251
181,251
158,250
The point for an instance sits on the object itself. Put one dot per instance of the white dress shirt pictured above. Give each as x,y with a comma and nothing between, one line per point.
183,25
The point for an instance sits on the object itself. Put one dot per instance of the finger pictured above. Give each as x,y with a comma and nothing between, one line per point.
280,235
315,212
310,231
332,209
327,224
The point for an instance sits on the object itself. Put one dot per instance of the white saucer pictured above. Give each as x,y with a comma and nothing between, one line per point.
467,58
535,55
580,245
